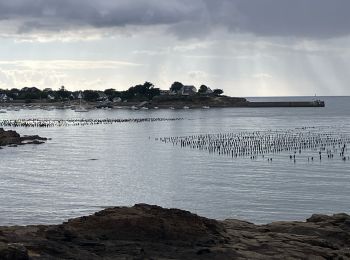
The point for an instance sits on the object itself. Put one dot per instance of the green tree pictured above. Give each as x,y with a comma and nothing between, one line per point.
203,89
176,86
140,92
111,93
29,93
90,95
13,93
62,93
218,92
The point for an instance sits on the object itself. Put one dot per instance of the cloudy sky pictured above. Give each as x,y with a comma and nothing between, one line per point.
246,47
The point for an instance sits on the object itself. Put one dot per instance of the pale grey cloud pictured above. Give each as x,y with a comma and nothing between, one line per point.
65,64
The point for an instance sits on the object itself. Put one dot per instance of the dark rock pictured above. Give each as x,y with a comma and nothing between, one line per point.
13,139
13,252
144,223
151,232
203,251
318,218
33,138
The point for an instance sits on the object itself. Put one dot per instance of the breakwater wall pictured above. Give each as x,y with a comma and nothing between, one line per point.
317,103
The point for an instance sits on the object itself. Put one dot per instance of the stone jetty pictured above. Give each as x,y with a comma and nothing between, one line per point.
151,232
12,138
225,101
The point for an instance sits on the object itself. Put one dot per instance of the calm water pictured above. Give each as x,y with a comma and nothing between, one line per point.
58,180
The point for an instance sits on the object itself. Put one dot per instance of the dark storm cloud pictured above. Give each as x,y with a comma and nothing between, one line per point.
310,18
63,14
301,18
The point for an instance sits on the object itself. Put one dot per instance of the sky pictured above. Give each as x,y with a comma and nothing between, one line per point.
245,47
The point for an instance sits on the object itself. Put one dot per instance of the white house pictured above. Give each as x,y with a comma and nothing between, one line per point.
165,92
49,97
188,90
117,100
4,98
208,91
102,96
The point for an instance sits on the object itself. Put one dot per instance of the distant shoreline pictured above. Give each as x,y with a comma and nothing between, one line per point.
173,102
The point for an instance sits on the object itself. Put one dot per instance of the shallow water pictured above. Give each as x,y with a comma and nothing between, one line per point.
83,169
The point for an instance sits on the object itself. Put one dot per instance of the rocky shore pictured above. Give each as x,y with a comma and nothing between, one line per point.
151,232
159,101
166,102
12,138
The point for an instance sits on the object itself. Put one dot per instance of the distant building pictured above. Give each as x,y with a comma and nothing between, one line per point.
3,98
188,90
117,100
164,92
209,91
102,96
49,97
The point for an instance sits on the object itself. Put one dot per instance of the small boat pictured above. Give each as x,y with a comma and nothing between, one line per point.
172,108
144,108
3,111
134,108
156,107
205,107
186,107
81,109
11,108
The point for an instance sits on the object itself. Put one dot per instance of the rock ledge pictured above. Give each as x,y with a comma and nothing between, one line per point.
151,232
12,138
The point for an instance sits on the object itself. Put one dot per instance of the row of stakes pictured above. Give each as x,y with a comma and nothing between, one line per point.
266,143
77,122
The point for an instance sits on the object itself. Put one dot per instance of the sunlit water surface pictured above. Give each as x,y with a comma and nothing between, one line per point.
83,169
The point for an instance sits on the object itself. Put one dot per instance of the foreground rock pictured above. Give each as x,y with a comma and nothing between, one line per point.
12,138
151,232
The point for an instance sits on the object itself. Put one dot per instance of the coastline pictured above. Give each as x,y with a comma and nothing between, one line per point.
151,232
166,102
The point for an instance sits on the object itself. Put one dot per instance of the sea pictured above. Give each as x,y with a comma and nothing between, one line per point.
85,168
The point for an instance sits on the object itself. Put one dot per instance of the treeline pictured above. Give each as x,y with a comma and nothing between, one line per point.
142,92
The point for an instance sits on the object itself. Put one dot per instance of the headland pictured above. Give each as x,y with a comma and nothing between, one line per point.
145,96
163,102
